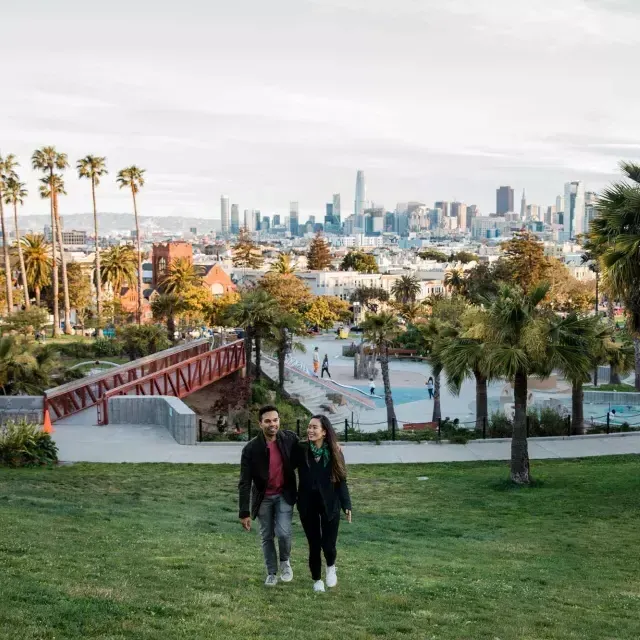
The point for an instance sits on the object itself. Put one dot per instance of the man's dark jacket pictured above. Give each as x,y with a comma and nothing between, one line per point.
254,472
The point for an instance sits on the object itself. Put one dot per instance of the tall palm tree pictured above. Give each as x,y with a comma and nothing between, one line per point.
133,178
181,275
381,329
431,343
118,267
615,234
37,260
14,194
454,280
406,289
166,307
7,172
283,264
285,327
93,168
47,160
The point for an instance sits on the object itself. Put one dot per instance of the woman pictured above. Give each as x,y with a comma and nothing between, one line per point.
322,493
325,366
430,387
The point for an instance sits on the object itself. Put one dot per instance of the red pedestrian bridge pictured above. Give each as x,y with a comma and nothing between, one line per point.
174,372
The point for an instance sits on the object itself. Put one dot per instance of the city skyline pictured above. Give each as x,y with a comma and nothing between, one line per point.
297,127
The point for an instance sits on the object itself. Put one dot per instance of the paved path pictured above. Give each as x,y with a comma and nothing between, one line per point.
145,443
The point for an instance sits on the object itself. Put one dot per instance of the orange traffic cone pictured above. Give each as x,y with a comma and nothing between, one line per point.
47,428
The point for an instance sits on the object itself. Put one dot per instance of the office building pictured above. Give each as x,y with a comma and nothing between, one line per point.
504,200
459,212
523,206
574,214
359,204
74,238
248,220
443,206
293,219
235,218
336,209
276,220
472,212
224,214
265,224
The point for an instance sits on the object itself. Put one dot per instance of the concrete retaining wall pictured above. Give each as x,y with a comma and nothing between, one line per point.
613,397
165,411
29,408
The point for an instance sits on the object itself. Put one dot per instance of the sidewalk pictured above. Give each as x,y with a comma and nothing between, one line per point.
145,443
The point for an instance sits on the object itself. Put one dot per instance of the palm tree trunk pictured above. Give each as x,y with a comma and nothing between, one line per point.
37,296
98,280
482,410
437,412
519,445
611,312
54,271
614,376
7,261
636,347
135,213
63,267
388,398
171,327
258,340
248,338
577,408
23,268
282,352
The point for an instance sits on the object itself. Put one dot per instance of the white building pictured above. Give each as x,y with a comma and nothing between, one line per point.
224,214
574,213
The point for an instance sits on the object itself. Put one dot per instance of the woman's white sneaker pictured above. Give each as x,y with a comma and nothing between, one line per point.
332,578
318,586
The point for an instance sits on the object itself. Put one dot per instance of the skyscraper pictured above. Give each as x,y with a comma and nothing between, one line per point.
248,220
361,196
574,219
235,218
523,206
443,206
293,218
224,214
459,211
504,200
336,208
276,219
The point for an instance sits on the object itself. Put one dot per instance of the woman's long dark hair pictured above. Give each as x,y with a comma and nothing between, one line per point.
338,467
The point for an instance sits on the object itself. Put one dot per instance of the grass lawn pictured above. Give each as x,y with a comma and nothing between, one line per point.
156,551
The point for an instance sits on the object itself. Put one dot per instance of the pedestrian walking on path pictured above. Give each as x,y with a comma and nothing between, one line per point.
325,366
430,387
316,362
372,387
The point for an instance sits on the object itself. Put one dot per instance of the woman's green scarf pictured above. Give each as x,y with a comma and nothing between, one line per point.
321,452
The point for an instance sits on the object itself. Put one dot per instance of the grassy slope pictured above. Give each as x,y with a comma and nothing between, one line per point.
155,551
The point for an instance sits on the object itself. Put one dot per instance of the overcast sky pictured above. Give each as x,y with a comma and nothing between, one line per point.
284,100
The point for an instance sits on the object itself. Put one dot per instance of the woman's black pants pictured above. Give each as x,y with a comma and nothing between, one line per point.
322,535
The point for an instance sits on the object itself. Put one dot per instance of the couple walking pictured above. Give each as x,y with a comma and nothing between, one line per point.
268,490
316,363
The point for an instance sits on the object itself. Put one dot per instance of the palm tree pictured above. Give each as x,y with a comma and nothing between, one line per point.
7,172
285,327
180,276
165,307
283,264
431,344
25,368
406,289
133,178
93,168
381,329
14,194
454,280
118,267
37,260
615,234
47,160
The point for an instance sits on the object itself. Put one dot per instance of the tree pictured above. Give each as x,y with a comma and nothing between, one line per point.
370,297
26,322
181,275
47,160
285,327
139,341
166,307
319,255
433,254
325,311
567,294
7,166
615,237
118,267
79,289
284,264
25,367
37,262
215,312
524,257
464,257
406,289
454,280
133,178
292,294
359,261
15,193
93,168
246,253
381,330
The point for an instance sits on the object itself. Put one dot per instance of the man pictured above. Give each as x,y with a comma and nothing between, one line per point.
268,484
316,361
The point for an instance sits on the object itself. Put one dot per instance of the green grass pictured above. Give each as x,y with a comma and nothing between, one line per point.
156,551
611,387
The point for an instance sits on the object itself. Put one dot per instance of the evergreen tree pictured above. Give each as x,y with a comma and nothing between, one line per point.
319,256
359,261
246,253
524,255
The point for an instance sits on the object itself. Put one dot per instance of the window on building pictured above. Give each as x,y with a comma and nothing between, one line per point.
162,266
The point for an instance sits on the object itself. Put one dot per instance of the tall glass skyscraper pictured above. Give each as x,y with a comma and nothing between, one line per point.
574,219
336,208
224,214
293,218
235,218
361,197
504,200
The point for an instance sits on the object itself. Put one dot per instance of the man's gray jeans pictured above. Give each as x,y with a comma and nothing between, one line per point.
275,517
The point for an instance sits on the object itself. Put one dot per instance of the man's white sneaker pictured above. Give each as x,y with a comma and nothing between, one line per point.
332,578
271,580
286,572
318,586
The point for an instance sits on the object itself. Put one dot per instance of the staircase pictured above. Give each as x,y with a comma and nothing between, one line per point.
312,392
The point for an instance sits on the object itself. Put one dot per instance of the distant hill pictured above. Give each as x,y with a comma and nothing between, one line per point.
123,222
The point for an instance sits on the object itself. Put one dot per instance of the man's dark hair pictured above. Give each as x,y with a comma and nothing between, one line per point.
266,409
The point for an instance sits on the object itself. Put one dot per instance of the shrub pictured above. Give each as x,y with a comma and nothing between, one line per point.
76,349
547,422
500,426
139,341
23,444
27,321
107,347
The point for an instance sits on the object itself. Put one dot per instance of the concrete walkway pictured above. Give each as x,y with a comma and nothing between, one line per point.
145,443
